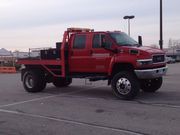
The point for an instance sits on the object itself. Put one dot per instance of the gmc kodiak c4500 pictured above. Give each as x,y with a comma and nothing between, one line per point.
83,53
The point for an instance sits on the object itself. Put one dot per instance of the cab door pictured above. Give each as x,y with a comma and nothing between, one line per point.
79,53
100,57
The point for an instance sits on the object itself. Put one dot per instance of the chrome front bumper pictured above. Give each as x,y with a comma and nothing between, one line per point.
151,73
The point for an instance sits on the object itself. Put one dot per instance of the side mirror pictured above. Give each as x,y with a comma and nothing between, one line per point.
140,40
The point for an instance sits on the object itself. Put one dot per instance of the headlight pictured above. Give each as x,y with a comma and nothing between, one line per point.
144,62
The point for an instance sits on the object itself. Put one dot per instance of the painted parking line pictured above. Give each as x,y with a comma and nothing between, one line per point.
86,124
46,97
164,105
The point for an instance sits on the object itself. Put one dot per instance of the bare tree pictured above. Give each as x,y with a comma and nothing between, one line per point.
174,43
154,46
170,44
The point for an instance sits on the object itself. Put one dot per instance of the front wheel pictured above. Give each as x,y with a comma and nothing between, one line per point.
125,85
151,85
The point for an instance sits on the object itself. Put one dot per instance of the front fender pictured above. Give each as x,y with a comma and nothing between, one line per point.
121,59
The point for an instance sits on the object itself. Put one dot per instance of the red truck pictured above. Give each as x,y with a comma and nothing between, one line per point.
114,56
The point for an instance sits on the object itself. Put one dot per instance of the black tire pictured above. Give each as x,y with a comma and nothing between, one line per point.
33,81
151,85
62,82
125,85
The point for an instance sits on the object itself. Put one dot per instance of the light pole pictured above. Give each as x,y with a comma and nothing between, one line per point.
129,18
161,26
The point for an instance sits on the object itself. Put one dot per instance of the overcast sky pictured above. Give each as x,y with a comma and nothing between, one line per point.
40,23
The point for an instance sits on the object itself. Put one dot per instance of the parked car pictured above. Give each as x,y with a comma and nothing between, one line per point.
170,60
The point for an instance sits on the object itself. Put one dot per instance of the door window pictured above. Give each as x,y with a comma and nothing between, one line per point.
101,40
105,42
96,41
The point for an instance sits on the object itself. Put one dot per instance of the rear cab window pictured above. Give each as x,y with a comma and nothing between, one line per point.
79,41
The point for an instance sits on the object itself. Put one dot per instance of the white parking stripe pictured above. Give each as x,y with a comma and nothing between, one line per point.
47,97
159,104
73,122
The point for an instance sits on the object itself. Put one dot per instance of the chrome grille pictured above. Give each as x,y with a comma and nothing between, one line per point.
158,58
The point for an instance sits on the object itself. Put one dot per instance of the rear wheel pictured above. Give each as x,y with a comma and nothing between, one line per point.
62,82
33,81
125,85
151,85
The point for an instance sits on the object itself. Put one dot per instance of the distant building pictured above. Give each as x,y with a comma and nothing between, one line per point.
6,57
174,53
18,54
4,52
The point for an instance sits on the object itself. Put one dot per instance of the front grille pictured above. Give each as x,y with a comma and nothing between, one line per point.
158,58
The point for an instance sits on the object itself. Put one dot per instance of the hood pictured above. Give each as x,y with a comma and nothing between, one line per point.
150,50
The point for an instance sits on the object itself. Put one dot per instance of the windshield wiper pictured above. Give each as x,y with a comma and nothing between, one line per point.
129,45
138,45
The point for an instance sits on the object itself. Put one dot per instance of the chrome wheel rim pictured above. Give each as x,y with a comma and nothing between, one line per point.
123,86
29,81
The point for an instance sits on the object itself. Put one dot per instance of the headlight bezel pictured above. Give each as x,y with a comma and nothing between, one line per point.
144,62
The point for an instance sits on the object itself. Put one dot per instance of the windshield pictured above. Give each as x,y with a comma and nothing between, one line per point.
123,39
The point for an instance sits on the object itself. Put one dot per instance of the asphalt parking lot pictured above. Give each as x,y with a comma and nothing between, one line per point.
89,109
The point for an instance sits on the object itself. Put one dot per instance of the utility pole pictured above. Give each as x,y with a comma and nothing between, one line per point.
161,25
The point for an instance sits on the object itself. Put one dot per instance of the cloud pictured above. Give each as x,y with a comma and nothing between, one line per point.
26,18
25,13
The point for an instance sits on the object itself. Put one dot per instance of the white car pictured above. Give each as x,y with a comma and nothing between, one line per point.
170,60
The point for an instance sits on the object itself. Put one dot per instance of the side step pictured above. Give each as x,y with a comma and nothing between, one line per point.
97,78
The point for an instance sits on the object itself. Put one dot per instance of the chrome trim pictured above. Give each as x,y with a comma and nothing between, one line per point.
151,73
159,63
143,60
123,86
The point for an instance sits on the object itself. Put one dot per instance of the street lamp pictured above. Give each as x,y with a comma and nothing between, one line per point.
161,26
129,18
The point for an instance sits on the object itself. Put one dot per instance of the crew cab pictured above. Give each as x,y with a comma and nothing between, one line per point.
103,55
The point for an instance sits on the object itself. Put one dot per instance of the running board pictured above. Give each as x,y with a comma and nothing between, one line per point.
97,78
